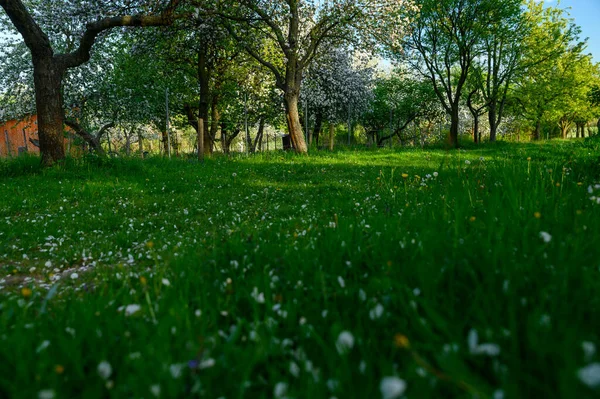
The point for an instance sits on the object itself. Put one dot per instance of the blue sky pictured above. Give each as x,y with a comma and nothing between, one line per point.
586,14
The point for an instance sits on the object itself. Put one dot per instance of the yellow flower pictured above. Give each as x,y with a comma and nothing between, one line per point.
26,292
557,184
401,341
472,219
529,158
404,175
59,369
580,184
578,211
143,280
150,244
537,215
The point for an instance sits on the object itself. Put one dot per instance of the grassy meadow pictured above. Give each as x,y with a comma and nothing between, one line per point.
470,273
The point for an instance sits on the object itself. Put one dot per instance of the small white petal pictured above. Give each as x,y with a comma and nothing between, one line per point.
345,342
280,390
392,387
590,375
104,369
46,394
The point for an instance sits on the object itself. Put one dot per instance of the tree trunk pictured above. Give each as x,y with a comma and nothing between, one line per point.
564,127
492,117
224,145
318,127
47,76
331,135
537,130
141,143
259,135
454,121
214,120
293,121
476,129
201,136
204,72
165,141
93,141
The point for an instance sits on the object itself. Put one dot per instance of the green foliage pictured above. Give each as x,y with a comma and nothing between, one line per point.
247,270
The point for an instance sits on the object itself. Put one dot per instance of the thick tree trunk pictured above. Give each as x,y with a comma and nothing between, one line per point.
48,76
564,129
293,121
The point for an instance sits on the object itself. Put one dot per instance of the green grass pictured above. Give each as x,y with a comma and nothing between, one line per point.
246,271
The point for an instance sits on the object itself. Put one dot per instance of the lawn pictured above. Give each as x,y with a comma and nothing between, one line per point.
355,274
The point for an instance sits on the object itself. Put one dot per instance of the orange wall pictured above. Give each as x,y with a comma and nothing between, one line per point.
19,132
16,133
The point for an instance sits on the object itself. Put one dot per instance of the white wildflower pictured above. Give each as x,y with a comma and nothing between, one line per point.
280,390
376,312
341,281
392,387
545,236
345,342
155,390
46,394
42,346
104,370
176,370
589,349
130,309
481,349
590,375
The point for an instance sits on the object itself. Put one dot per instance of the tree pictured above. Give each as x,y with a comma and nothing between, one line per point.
49,67
498,63
285,36
552,51
445,40
335,88
399,100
